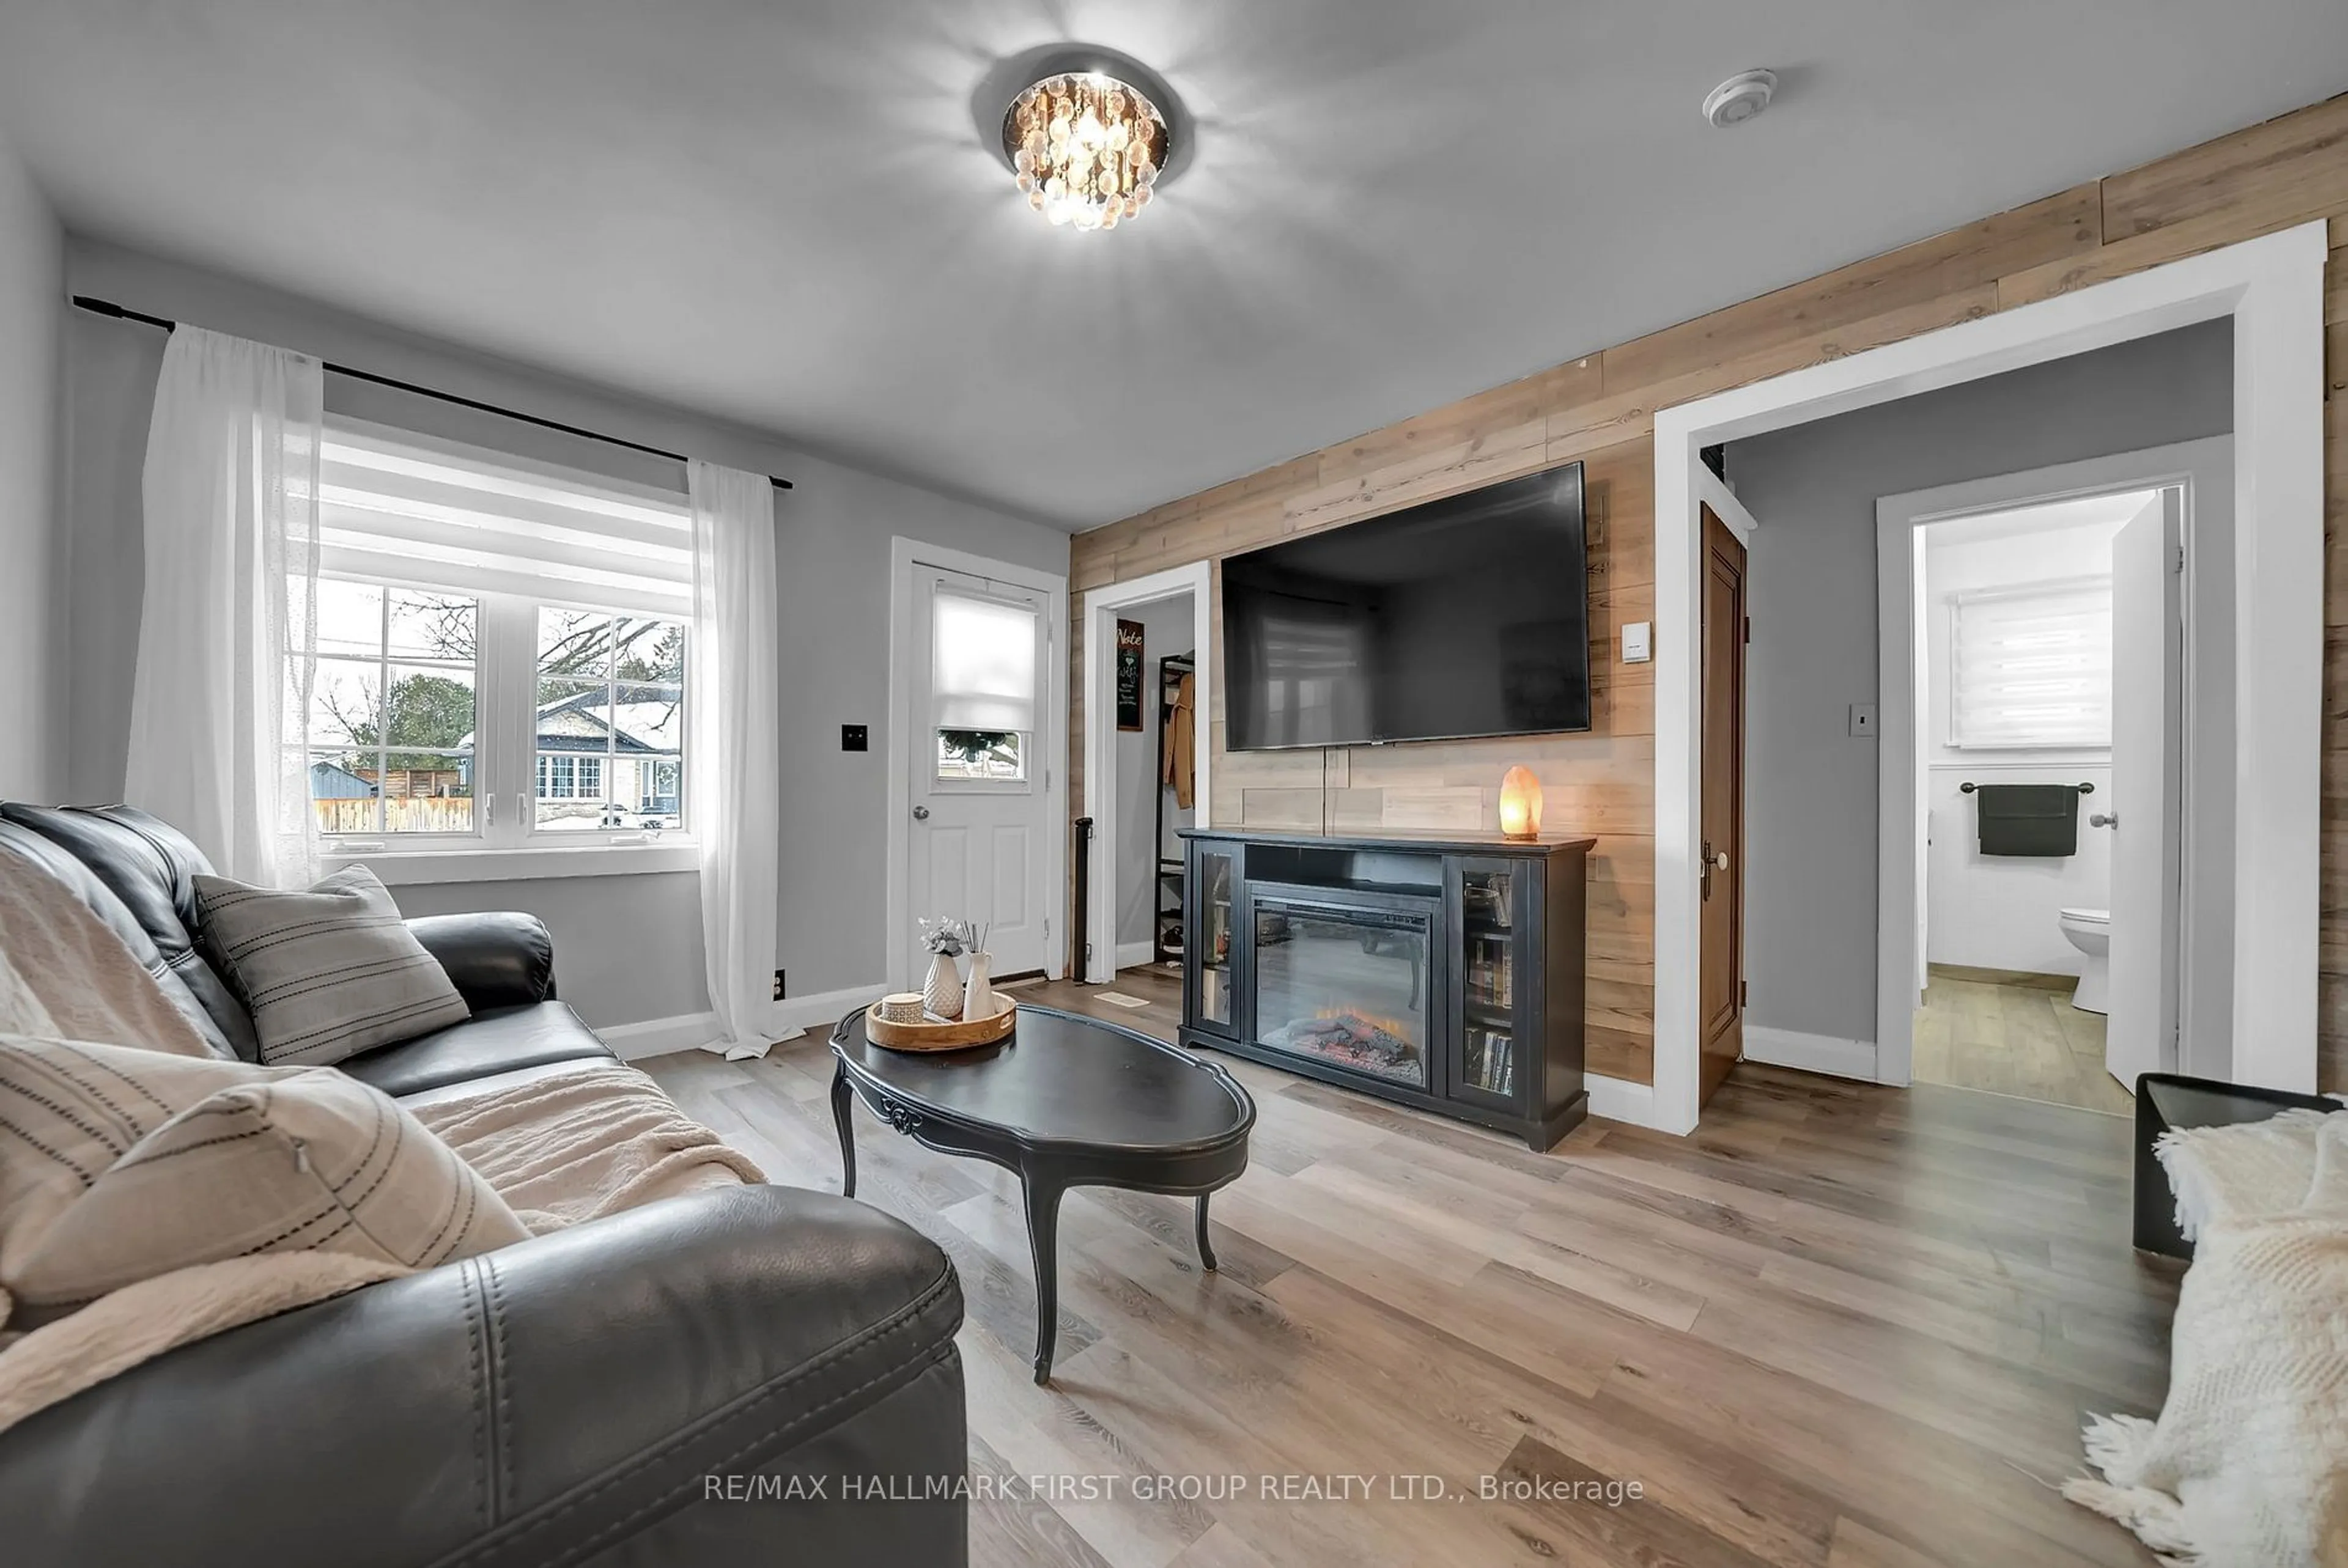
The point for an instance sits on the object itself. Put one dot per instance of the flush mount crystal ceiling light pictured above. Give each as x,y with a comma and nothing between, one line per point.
1088,142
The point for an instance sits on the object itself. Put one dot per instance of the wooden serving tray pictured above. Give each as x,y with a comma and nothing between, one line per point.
928,1036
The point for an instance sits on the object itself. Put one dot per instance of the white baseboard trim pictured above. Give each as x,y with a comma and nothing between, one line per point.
659,1035
696,1030
1620,1099
1134,955
822,1010
1810,1052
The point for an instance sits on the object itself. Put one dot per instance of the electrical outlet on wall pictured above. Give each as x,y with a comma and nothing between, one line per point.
778,985
854,738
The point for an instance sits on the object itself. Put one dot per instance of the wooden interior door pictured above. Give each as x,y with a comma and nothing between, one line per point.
1721,873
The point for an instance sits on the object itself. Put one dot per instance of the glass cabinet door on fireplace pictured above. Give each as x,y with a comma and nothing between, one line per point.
1211,887
1489,1063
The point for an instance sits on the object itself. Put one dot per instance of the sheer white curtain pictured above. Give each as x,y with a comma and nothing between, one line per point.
219,705
734,751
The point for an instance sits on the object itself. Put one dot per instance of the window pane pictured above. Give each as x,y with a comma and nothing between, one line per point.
350,618
345,703
570,792
428,792
391,728
995,754
433,628
645,717
648,649
647,792
343,792
429,708
574,643
609,728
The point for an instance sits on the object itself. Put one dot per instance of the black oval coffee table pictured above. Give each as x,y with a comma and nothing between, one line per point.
1067,1102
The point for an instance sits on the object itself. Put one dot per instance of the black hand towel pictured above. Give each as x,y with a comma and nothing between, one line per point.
2039,819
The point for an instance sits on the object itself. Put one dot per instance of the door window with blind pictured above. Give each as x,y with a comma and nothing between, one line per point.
982,665
502,651
2031,666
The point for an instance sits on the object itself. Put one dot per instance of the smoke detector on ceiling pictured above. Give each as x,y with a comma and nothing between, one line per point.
1740,97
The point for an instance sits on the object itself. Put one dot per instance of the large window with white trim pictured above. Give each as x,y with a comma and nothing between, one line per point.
502,652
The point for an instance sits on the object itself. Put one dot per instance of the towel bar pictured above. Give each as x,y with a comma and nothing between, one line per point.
1968,786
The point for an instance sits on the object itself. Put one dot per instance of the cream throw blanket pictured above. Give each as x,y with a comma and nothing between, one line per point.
578,1145
560,1149
64,975
2248,1465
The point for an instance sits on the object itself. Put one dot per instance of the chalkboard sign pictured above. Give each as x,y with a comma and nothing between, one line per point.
1128,676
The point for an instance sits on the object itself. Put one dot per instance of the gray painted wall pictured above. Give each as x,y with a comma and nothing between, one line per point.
31,289
832,562
1810,789
1168,627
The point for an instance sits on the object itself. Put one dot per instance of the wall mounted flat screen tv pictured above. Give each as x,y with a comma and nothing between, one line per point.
1460,618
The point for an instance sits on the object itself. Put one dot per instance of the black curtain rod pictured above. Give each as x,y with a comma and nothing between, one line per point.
108,307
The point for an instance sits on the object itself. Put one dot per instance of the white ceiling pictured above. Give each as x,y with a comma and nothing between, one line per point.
781,213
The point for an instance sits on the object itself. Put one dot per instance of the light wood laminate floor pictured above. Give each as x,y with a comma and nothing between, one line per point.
1841,1326
2013,1034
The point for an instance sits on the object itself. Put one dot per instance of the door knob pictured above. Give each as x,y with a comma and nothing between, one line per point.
1720,861
920,813
2102,819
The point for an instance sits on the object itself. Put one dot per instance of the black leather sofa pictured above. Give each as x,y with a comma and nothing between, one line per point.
744,1375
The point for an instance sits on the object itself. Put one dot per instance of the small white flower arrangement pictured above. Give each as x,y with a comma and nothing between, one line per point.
946,936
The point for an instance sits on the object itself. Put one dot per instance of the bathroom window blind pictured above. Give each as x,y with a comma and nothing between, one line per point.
2031,666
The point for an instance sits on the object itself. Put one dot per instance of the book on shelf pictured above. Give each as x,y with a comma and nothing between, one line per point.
1489,979
1214,993
1492,1061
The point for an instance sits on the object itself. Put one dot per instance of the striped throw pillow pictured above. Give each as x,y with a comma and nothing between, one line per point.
119,1163
325,973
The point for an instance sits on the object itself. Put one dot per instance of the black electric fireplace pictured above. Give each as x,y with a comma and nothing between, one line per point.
1345,978
1445,974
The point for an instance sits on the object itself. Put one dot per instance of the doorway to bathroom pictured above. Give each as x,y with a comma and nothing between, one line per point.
2067,699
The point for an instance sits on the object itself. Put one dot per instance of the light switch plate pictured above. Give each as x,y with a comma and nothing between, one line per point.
1862,720
1637,647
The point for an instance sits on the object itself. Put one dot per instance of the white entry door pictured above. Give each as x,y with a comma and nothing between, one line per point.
2144,811
979,794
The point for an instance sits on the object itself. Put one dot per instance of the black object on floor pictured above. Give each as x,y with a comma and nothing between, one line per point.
2166,1100
2027,819
1067,1102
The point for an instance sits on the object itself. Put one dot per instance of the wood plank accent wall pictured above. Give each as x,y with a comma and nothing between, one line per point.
1600,408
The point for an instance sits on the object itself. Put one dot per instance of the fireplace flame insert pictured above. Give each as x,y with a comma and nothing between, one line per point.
1345,978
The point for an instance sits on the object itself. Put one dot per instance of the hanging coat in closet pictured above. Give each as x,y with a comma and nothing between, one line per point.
1177,745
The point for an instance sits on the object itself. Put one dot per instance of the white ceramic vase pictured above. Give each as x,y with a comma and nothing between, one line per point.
942,991
978,998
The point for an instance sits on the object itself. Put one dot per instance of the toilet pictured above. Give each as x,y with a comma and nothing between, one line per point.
2090,931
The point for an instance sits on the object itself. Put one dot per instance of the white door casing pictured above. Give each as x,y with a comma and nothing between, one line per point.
2272,289
1101,609
977,845
2143,815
